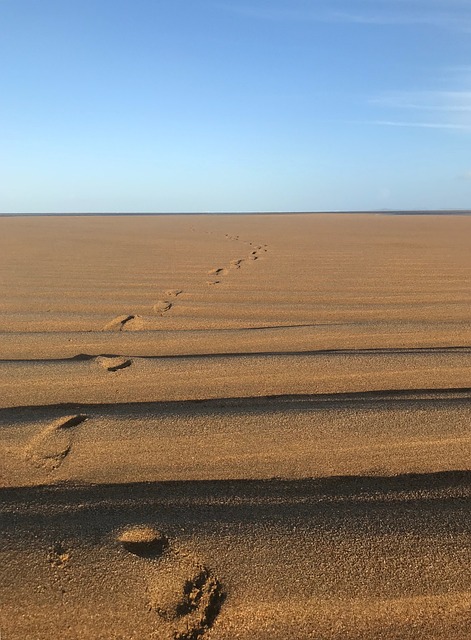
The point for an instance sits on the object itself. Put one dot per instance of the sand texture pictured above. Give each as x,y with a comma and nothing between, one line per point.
221,427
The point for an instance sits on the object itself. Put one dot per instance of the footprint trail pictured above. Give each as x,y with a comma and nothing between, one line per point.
236,263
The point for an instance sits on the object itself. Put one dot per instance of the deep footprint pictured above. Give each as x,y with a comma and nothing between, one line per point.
113,363
143,540
186,596
49,449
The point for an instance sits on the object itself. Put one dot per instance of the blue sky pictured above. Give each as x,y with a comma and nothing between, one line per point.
219,105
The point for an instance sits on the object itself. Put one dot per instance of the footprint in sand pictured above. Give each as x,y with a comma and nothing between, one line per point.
124,323
257,250
219,271
213,282
113,363
172,293
162,306
185,595
235,264
59,555
49,449
143,540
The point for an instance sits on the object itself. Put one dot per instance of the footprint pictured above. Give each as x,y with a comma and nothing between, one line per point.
113,363
235,264
162,306
211,283
143,540
49,449
58,555
185,595
173,293
124,323
220,271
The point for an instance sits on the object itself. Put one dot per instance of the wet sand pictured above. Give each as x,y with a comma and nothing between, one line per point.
284,401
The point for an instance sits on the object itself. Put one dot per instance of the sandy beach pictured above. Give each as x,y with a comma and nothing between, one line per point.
223,426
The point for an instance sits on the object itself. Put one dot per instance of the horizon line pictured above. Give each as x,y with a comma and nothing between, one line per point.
442,211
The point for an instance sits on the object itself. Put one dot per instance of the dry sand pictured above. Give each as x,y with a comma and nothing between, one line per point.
235,427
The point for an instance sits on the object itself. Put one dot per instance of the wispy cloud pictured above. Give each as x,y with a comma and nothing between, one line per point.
454,14
448,107
448,101
422,125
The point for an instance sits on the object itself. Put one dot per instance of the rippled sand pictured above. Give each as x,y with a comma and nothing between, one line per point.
235,427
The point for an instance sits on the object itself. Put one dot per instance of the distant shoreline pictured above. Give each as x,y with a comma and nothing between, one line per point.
411,212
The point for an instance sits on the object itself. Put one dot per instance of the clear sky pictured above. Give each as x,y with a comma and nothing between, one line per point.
234,105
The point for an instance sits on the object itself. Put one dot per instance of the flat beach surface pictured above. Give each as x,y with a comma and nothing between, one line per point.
284,402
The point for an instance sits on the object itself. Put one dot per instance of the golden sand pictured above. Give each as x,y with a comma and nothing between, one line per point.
235,427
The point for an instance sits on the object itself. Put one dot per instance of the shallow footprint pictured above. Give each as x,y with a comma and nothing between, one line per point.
49,449
113,363
235,264
124,323
59,555
173,293
220,271
162,306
